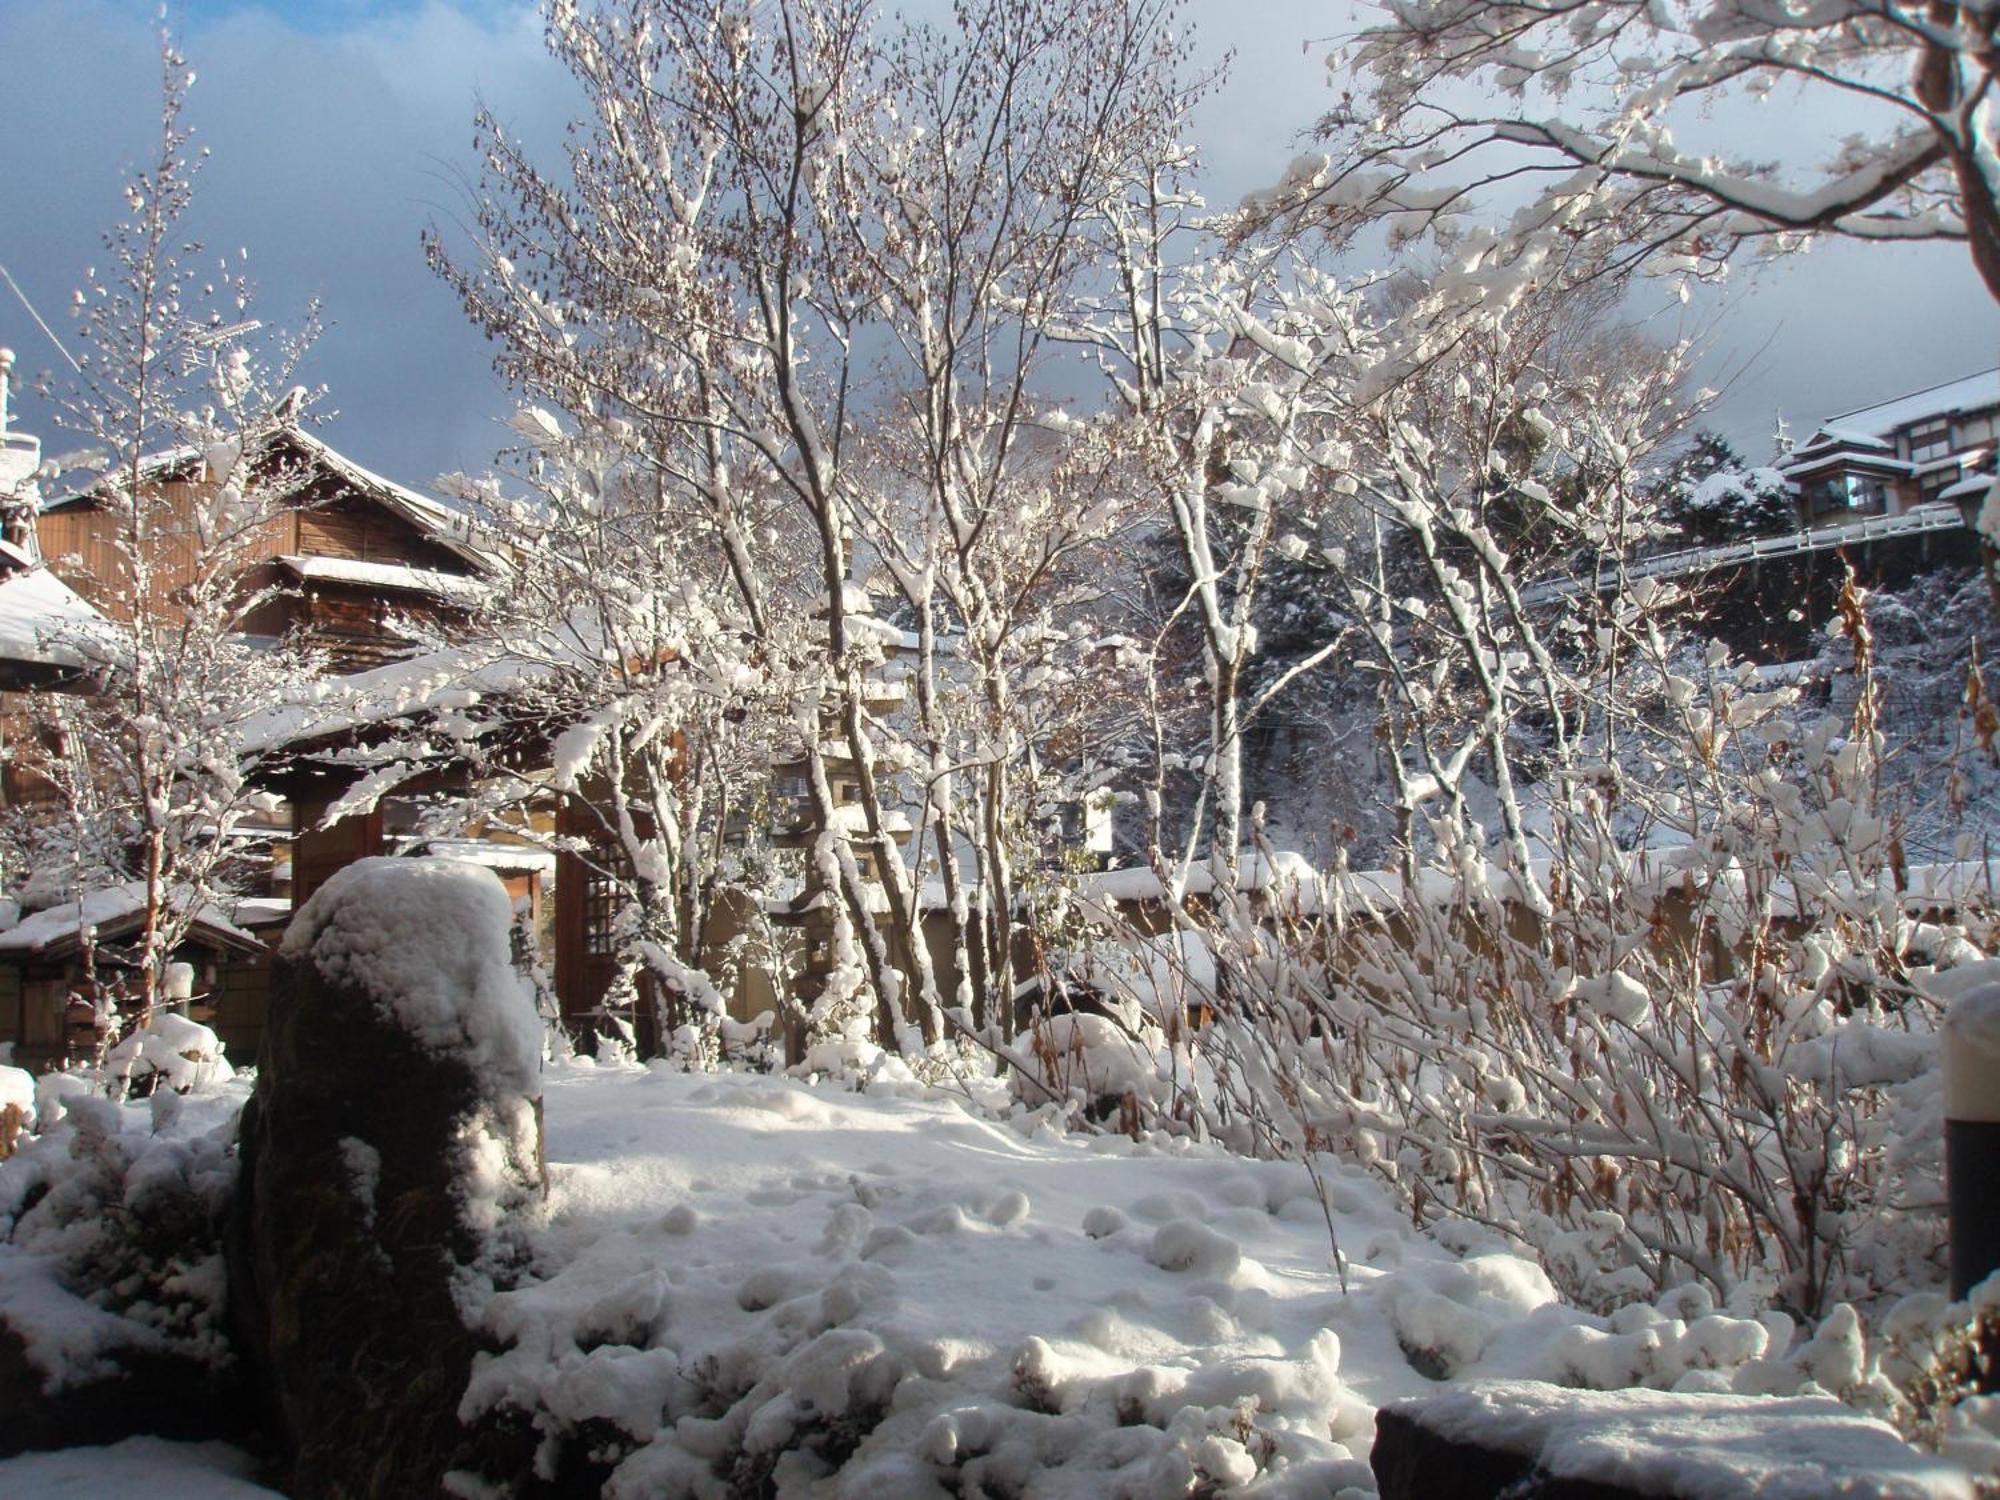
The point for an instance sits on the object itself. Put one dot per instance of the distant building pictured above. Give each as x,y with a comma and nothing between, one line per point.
1929,447
352,555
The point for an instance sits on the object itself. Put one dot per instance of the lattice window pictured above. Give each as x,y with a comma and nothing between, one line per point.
1930,440
603,895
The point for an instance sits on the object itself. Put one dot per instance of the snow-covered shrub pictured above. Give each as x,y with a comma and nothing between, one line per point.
1688,1040
111,1231
169,1051
1640,989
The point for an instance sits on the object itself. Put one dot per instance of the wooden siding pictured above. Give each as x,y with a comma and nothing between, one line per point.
81,543
240,1002
335,525
318,852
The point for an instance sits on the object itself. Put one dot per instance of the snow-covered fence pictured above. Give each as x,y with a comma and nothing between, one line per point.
1695,561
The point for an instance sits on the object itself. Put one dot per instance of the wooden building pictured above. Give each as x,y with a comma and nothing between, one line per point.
1933,446
42,972
352,555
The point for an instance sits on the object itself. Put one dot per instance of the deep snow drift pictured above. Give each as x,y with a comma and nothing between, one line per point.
896,1292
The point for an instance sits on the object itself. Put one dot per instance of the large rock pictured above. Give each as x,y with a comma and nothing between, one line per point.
1530,1441
394,1129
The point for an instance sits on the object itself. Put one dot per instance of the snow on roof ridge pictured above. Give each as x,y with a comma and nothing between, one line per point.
1910,398
434,516
104,905
444,523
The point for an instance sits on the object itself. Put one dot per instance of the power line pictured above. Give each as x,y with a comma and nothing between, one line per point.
7,276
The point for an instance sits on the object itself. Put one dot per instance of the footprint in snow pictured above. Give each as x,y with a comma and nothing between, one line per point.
1103,1221
767,1286
946,1218
847,1229
889,1244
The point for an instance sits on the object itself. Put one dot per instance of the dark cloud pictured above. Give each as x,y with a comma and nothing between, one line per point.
340,128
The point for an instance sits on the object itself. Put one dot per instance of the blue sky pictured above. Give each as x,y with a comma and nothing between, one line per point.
340,128
316,16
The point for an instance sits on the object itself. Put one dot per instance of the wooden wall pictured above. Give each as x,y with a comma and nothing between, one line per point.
80,542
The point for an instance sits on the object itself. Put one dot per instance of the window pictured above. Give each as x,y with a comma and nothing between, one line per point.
1935,483
1929,440
1974,432
1846,495
601,900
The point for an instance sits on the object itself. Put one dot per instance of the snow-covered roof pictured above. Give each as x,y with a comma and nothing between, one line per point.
111,911
262,911
1833,436
1801,463
458,676
1972,486
495,854
1973,393
440,522
453,586
443,523
45,622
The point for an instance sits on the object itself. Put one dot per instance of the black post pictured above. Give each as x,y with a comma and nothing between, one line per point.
1971,1045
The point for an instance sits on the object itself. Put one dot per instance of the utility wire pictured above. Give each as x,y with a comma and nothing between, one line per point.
7,276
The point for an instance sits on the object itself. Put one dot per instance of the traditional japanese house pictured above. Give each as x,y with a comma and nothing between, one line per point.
1888,459
46,980
357,559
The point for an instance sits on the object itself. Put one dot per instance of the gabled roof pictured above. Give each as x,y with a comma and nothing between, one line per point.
445,525
435,520
1972,393
113,912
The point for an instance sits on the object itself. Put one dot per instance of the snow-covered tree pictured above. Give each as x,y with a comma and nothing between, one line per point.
1616,118
175,394
803,272
1712,495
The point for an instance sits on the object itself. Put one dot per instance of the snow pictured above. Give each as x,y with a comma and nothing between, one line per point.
262,911
1712,1447
452,586
911,1291
495,854
106,908
43,620
1832,435
750,1279
149,1466
1973,393
1971,1040
428,939
184,1054
78,1285
456,676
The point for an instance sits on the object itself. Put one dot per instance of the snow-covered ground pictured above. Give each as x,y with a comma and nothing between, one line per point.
152,1467
897,1291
